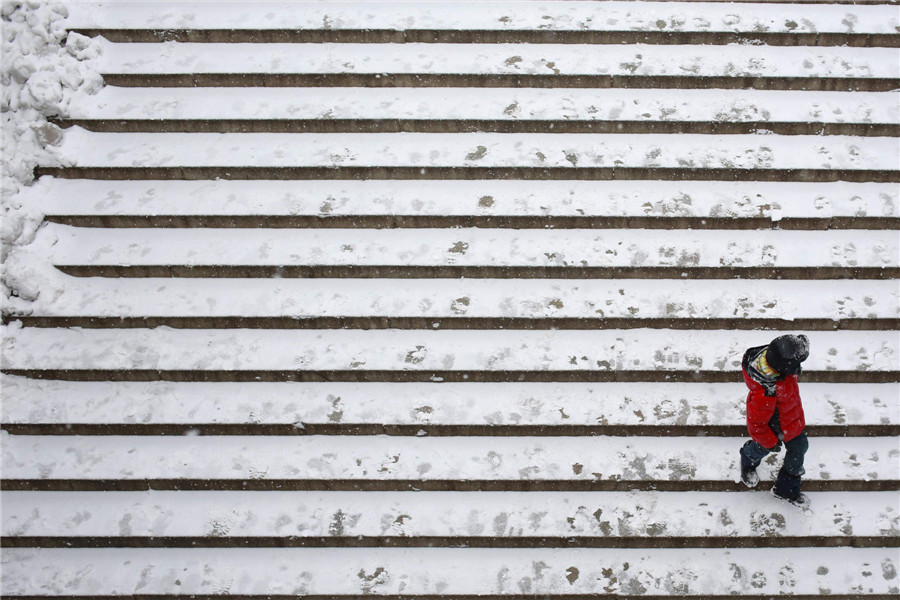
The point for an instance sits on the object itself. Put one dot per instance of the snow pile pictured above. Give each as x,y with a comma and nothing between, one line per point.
44,69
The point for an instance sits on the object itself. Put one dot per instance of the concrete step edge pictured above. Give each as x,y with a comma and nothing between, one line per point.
215,125
470,173
871,84
575,541
487,272
440,322
437,376
423,485
368,221
416,430
459,36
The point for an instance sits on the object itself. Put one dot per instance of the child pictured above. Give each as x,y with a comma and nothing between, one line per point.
775,413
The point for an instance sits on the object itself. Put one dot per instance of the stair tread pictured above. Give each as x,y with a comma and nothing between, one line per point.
82,148
721,106
616,16
499,299
426,351
446,571
339,515
387,458
482,198
425,404
572,248
640,60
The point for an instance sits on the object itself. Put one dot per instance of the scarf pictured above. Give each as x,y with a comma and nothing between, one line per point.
762,365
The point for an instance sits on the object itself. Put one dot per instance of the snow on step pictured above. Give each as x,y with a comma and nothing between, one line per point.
425,351
484,198
558,16
83,148
453,514
509,59
478,298
387,458
473,247
425,404
449,571
503,104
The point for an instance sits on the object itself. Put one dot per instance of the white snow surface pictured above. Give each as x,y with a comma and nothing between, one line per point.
44,71
772,200
553,16
441,298
419,350
472,247
489,103
677,572
515,59
389,458
656,404
84,148
463,514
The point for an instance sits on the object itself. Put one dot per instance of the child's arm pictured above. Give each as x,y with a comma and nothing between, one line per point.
760,409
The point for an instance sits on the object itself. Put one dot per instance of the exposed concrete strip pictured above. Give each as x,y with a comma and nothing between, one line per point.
471,173
382,596
388,541
417,430
846,2
483,272
472,125
481,221
583,376
846,84
428,485
812,2
532,36
432,323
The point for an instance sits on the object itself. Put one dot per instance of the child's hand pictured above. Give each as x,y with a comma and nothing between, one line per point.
776,448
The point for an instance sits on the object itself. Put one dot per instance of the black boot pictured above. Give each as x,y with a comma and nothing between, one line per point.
748,474
787,487
748,469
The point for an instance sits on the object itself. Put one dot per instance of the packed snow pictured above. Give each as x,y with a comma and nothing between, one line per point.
449,571
478,514
84,148
533,59
490,103
721,199
484,298
552,16
386,458
45,69
427,404
425,351
473,247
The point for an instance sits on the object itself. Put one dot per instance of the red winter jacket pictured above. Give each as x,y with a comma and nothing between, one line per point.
761,407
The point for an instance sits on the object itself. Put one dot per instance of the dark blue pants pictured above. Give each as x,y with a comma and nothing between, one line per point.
788,483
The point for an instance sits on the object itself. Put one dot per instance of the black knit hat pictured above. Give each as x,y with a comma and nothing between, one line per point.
786,352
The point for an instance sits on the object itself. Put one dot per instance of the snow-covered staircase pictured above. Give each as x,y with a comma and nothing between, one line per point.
449,299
